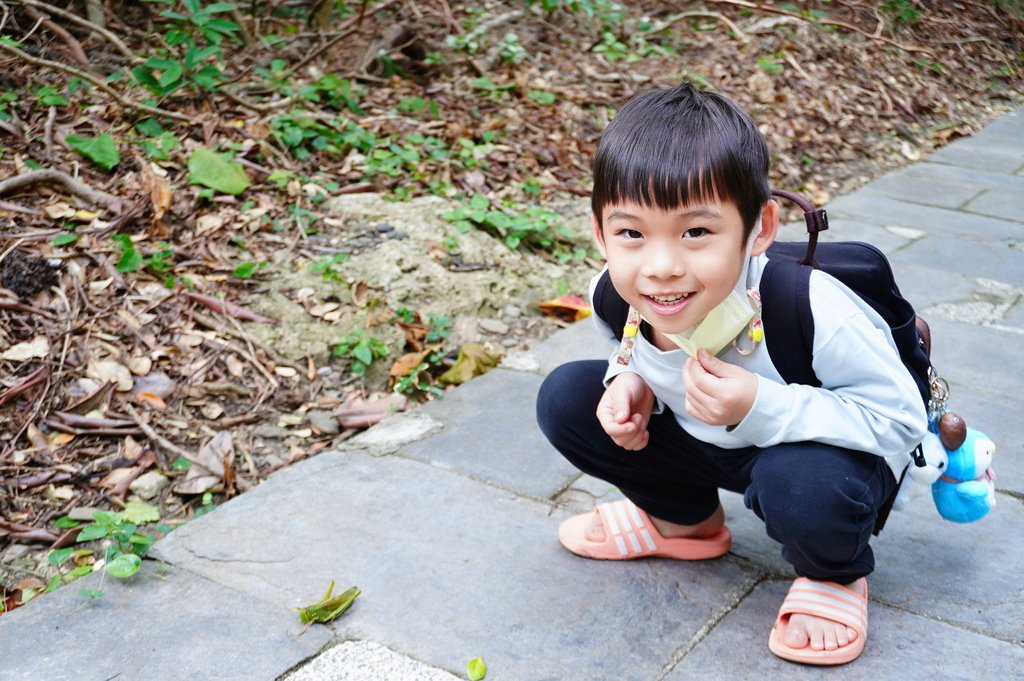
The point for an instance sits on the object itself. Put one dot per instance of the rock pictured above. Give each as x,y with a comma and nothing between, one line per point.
270,432
494,326
513,312
149,485
323,422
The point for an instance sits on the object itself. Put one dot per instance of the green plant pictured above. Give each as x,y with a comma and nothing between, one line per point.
901,11
327,267
131,260
335,92
419,381
197,32
611,47
302,133
438,328
6,99
361,350
511,50
122,549
770,65
532,227
48,95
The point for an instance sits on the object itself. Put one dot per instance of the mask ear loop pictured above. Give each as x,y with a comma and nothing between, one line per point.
755,332
629,334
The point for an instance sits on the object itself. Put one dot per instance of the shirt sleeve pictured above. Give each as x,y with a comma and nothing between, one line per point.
867,401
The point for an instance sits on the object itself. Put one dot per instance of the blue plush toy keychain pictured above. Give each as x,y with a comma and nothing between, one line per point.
965,489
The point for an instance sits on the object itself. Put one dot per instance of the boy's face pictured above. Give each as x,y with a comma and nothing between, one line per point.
675,266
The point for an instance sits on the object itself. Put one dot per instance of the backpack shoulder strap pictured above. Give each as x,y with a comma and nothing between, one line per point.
609,305
788,322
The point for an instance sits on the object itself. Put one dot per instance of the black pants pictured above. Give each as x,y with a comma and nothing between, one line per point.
819,501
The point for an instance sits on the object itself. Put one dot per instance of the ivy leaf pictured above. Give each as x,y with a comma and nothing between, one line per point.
58,556
125,565
94,531
100,150
217,171
476,669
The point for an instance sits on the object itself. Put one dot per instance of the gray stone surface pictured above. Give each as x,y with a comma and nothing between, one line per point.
159,624
490,434
918,212
1008,205
994,152
450,569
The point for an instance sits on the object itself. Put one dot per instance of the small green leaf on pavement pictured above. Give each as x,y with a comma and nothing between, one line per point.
217,171
91,593
100,150
328,609
125,565
476,669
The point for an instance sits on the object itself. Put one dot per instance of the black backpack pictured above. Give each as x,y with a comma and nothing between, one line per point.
786,305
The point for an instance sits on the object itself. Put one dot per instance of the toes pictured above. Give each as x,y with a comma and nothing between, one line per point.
595,532
795,636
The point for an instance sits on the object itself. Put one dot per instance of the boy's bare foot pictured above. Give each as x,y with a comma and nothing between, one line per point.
818,633
705,528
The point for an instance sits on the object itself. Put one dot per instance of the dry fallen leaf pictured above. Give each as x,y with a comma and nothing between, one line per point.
110,371
474,360
210,466
570,308
36,348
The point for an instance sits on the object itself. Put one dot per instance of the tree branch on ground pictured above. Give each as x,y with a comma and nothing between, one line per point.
51,176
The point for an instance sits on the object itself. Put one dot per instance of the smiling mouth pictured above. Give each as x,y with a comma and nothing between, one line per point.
668,300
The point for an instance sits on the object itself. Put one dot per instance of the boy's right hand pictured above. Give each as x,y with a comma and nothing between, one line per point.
625,409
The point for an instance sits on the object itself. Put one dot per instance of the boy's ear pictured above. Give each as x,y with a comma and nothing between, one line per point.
598,234
769,227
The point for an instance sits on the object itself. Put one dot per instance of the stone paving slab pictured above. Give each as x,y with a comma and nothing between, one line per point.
995,150
159,624
965,257
451,569
490,434
900,645
1006,204
919,212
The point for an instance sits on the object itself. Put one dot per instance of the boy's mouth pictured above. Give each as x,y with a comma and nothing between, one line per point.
669,300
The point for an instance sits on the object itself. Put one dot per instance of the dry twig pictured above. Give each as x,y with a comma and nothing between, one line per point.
51,176
825,22
95,28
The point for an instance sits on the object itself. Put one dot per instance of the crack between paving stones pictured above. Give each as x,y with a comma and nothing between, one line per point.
717,616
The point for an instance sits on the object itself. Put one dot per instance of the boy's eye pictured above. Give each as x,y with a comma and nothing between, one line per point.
694,232
631,234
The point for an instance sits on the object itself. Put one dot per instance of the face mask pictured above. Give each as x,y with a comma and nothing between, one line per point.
719,328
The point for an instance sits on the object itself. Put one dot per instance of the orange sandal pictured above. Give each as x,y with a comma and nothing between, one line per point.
827,600
629,534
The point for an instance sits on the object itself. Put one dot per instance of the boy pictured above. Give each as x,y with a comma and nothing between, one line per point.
691,403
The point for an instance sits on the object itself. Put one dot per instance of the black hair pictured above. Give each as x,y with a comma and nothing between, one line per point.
669,148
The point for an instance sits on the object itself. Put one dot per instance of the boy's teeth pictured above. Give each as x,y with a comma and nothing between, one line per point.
668,299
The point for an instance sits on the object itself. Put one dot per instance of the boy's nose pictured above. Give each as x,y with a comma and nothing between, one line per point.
663,264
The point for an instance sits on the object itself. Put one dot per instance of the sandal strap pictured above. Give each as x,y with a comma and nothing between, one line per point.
628,526
829,600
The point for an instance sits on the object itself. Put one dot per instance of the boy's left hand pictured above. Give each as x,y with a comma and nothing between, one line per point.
718,393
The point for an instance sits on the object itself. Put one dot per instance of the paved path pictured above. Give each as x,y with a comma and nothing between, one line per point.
446,519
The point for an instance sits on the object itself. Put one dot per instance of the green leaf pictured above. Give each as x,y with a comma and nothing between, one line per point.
139,512
58,556
100,150
94,531
66,523
64,238
180,464
91,593
245,270
130,261
476,669
217,171
124,566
